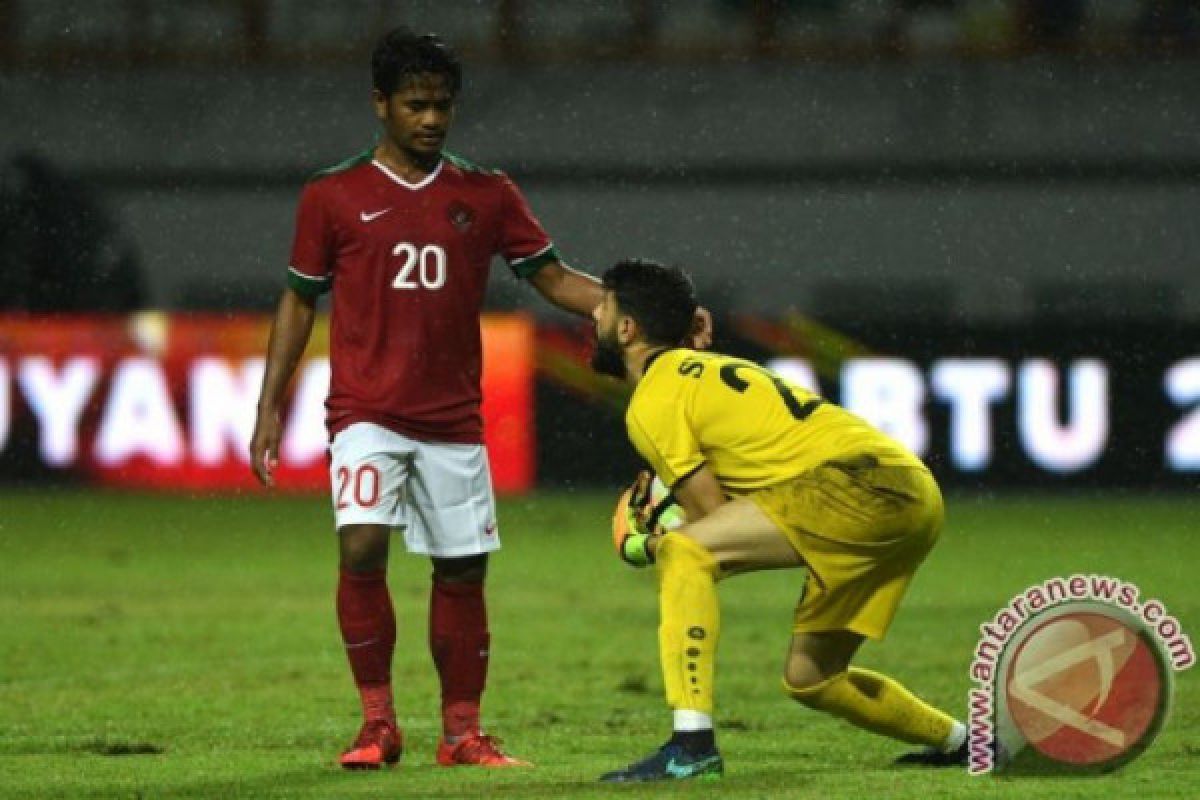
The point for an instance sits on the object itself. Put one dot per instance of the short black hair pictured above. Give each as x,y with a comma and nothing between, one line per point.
660,298
401,55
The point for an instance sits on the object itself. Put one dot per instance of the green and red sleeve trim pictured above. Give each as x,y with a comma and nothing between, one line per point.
525,268
307,285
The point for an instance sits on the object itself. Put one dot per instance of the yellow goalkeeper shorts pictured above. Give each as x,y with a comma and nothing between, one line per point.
862,528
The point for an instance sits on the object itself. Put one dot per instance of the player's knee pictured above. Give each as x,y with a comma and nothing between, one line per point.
813,665
363,548
803,673
810,689
816,659
470,569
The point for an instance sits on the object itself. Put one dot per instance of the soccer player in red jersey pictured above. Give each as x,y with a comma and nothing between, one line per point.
403,236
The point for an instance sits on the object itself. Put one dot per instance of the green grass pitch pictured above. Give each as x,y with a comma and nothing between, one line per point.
156,647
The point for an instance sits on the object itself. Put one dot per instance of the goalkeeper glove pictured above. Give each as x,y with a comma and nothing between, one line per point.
631,536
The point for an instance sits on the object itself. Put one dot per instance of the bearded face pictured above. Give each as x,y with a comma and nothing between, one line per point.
607,358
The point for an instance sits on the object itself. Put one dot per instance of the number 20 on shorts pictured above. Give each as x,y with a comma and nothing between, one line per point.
359,486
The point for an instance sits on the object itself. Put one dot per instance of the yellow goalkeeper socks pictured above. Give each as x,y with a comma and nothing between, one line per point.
689,622
878,704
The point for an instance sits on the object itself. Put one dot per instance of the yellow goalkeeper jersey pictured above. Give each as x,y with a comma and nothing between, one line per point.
751,427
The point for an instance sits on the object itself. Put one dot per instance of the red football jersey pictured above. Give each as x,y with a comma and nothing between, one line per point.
408,266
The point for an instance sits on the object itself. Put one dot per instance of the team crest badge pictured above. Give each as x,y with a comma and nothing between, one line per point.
461,216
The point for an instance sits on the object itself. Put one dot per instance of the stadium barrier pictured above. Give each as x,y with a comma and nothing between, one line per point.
1057,404
166,401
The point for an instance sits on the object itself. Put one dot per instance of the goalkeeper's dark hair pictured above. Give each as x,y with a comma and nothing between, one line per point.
661,299
401,56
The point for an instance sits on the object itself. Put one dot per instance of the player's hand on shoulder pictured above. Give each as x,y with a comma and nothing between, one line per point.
701,337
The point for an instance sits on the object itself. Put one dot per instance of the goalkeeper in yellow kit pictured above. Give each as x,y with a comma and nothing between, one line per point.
769,476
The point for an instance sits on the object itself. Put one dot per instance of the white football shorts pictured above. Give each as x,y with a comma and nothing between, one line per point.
439,495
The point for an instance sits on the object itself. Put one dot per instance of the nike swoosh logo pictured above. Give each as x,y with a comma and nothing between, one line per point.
368,216
685,770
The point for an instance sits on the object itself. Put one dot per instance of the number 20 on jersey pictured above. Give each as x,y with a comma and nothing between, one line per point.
421,267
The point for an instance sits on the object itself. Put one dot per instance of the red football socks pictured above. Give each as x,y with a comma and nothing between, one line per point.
458,640
368,625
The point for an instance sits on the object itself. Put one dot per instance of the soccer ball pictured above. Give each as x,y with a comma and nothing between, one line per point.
664,511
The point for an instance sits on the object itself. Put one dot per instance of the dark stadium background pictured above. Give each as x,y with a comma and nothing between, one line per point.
974,221
927,179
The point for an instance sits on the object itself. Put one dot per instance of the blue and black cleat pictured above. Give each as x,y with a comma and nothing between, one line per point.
670,762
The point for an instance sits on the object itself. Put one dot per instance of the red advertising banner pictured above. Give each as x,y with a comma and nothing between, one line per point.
156,400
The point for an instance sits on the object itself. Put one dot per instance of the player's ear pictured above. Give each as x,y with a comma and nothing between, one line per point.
627,329
379,102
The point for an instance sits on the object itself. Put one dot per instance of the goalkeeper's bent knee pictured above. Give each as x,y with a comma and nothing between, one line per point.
822,696
878,704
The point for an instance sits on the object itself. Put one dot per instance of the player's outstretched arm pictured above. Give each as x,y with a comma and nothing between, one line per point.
568,288
289,336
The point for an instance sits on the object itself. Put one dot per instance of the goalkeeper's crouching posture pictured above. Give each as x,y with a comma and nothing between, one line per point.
769,476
